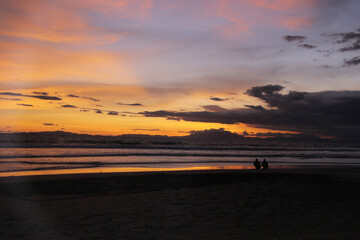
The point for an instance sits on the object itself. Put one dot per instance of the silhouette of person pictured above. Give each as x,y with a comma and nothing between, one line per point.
265,164
257,164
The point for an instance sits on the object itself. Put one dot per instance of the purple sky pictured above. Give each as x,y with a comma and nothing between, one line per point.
170,55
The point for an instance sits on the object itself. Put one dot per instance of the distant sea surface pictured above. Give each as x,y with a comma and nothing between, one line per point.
29,161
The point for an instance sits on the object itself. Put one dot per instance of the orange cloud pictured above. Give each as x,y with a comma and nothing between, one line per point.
33,63
243,15
226,9
292,22
66,21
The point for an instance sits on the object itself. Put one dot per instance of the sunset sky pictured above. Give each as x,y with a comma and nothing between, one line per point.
168,67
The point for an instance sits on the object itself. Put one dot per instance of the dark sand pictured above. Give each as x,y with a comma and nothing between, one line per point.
242,204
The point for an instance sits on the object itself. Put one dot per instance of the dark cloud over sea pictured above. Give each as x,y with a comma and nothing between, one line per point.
326,113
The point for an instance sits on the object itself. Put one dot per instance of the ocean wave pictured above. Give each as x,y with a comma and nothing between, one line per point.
41,169
202,148
97,163
184,154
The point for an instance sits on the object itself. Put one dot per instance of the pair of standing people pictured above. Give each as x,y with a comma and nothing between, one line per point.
258,165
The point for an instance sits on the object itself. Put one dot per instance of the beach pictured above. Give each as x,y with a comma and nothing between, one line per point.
305,203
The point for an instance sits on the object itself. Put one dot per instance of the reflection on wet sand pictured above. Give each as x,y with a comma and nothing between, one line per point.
113,170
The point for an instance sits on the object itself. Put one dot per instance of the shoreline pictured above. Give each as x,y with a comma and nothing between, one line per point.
342,170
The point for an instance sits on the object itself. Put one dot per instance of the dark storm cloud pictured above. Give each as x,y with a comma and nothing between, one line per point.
355,46
352,62
326,53
214,135
219,99
265,92
258,107
292,38
12,94
339,103
89,98
352,39
33,96
73,96
101,111
214,108
329,113
228,117
292,136
130,104
92,99
245,133
269,134
41,93
308,46
145,129
113,113
68,106
45,97
25,105
347,37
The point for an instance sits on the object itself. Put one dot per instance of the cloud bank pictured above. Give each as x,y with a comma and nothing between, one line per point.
327,113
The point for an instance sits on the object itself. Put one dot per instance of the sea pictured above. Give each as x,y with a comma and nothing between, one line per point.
55,160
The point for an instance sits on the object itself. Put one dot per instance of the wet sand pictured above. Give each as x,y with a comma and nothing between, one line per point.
224,204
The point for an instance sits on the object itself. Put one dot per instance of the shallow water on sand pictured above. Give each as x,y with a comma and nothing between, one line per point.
60,160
